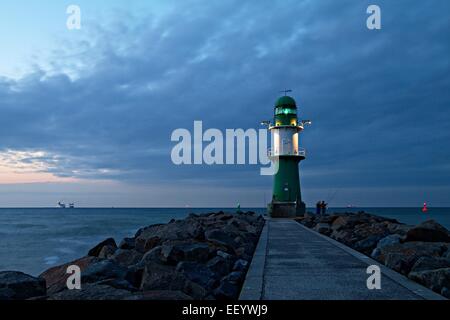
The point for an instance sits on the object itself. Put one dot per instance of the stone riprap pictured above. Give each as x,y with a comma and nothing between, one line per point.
201,257
422,252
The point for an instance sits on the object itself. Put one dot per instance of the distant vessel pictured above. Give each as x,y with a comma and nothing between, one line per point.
64,206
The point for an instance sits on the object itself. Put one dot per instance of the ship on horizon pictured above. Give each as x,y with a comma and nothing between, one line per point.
64,206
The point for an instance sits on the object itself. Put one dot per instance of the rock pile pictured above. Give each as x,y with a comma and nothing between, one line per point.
420,252
201,257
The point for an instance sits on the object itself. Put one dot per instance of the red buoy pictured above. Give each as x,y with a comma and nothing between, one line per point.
424,209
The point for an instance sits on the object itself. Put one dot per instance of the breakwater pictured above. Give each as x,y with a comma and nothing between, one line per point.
203,256
420,252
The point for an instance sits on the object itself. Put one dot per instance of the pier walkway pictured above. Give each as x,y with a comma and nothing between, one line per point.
292,262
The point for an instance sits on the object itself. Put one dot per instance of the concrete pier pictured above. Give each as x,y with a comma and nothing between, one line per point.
292,262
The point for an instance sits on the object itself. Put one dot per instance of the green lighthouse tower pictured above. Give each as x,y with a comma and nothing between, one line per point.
286,155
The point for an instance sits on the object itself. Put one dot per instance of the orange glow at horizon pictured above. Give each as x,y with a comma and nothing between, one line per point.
10,177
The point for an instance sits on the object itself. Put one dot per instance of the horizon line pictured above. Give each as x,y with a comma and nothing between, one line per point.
201,207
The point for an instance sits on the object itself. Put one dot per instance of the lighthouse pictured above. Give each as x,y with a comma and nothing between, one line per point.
286,155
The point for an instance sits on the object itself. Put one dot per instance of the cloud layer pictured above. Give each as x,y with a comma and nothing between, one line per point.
105,106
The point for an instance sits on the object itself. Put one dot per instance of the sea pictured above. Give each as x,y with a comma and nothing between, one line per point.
33,240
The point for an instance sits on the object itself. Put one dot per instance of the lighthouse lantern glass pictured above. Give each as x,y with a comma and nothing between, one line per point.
285,111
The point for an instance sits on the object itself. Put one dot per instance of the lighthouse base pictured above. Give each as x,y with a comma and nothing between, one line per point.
286,209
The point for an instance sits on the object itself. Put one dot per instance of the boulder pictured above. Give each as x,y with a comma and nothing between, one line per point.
329,219
384,242
171,254
198,273
144,245
195,251
344,236
446,254
221,237
309,220
401,257
308,223
226,291
56,277
107,251
159,277
253,219
310,216
164,277
368,244
20,286
323,228
240,265
244,226
430,263
436,280
235,277
119,284
248,247
243,253
376,253
348,222
149,228
126,257
222,216
152,236
428,231
446,292
153,255
224,254
195,290
8,294
399,228
92,291
95,251
229,258
127,243
389,241
174,252
366,230
103,270
219,265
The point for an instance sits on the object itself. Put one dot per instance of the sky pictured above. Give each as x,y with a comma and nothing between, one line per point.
86,115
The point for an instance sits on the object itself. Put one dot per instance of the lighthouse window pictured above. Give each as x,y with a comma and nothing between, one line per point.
285,111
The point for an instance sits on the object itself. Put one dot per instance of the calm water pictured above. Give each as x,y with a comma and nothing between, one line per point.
32,240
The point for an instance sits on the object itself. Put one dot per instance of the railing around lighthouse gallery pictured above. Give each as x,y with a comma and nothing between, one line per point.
276,153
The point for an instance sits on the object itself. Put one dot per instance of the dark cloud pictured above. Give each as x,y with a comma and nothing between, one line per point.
377,99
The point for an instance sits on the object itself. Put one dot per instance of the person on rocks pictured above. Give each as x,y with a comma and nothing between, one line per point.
318,207
323,206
